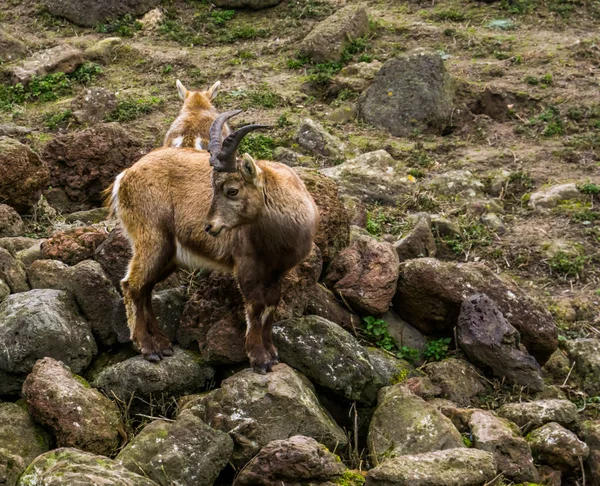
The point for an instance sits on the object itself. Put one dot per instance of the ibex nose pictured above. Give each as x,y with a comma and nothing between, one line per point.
208,227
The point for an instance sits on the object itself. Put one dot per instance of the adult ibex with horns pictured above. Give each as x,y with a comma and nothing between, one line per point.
186,207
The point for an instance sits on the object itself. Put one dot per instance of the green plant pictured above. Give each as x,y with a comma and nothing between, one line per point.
55,120
532,80
589,188
350,478
130,109
472,235
382,220
125,26
437,350
376,332
467,440
546,79
86,73
221,17
259,146
549,123
568,264
417,173
518,6
452,15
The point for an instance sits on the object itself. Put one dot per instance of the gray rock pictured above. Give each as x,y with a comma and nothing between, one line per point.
48,274
4,290
93,105
423,387
30,255
253,4
12,272
103,50
42,323
557,447
313,137
586,354
78,415
493,222
374,176
11,223
11,48
549,197
497,181
418,243
73,467
88,13
443,226
458,380
329,38
289,157
92,216
503,439
257,409
534,414
15,131
322,302
355,77
404,333
18,243
464,467
430,293
328,355
488,339
62,58
114,255
410,92
186,452
296,460
390,370
590,433
404,423
454,183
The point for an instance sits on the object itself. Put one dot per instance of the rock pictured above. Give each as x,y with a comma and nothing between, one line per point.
11,223
328,39
88,13
444,227
333,233
586,354
365,274
78,468
328,356
557,447
103,50
296,460
12,272
404,424
78,415
63,58
313,137
42,323
85,163
152,19
540,412
180,374
30,255
93,105
22,442
461,183
458,380
417,244
410,92
168,306
92,216
590,432
322,303
423,387
355,77
503,439
431,292
374,176
257,409
493,222
48,274
289,157
18,243
253,4
464,467
404,333
343,114
186,452
4,291
356,209
488,339
73,245
24,175
389,369
549,197
11,48
114,254
557,367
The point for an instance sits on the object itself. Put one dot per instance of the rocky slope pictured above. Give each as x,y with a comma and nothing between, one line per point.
445,328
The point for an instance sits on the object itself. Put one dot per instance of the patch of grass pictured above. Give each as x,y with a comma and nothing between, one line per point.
520,7
175,31
221,17
86,73
568,264
124,26
473,235
309,9
451,15
417,173
130,109
549,123
259,146
437,350
376,332
242,32
589,188
60,119
258,97
532,80
385,220
350,478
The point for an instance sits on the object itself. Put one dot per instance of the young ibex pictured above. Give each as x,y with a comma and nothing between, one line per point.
255,218
192,125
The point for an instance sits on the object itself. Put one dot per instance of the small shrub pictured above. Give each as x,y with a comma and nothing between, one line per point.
451,15
259,146
589,188
437,350
221,17
131,109
532,80
376,332
125,26
86,73
54,120
567,264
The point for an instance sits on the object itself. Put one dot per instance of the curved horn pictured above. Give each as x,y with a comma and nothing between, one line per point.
216,134
226,158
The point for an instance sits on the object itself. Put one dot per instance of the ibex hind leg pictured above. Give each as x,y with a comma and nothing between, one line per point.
161,342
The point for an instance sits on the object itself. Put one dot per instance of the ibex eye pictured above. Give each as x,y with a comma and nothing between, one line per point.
232,192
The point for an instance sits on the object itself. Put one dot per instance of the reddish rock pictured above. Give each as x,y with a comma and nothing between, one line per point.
79,416
322,302
24,175
74,245
85,163
365,274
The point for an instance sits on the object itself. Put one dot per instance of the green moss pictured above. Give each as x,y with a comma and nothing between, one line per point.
400,377
82,380
350,478
259,146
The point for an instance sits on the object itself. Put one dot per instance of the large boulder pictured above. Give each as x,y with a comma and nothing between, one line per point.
73,245
37,324
88,13
458,380
186,452
24,175
503,439
22,442
342,366
590,432
410,92
431,292
557,447
12,271
11,223
257,409
488,339
534,414
456,184
365,274
328,39
313,137
333,233
464,467
62,58
374,176
404,423
586,355
78,415
78,468
85,163
418,243
114,255
296,460
93,105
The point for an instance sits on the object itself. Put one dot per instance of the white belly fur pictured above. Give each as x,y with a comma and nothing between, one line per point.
184,257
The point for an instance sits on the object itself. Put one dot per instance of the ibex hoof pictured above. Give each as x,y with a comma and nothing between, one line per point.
167,352
153,357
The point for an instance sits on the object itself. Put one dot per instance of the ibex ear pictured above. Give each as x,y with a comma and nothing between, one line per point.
213,91
250,171
181,90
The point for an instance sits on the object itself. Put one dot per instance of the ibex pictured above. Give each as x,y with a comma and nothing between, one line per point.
186,207
192,125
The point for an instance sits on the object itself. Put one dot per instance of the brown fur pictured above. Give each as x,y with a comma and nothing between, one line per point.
168,202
